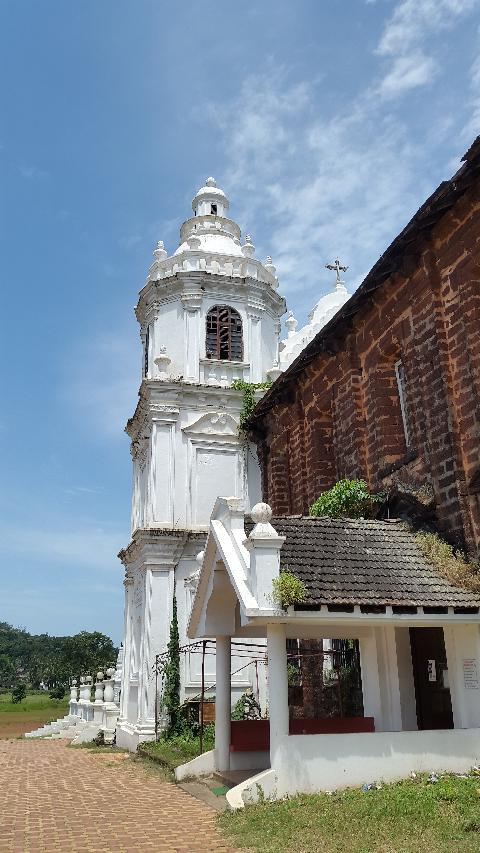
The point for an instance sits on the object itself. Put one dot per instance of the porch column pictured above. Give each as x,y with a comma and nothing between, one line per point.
277,689
223,708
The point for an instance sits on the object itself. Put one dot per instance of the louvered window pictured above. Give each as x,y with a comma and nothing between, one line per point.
224,334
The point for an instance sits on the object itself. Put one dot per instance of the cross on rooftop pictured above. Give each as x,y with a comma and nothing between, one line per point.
338,267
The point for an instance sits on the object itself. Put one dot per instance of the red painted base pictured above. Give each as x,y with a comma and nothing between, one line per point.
254,735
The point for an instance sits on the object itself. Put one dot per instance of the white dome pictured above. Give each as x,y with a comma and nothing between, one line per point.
220,244
210,193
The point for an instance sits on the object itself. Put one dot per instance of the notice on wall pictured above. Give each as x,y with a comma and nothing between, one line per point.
470,674
431,670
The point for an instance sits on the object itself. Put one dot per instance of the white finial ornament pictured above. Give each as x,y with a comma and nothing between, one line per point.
291,323
261,513
199,557
210,182
248,249
160,253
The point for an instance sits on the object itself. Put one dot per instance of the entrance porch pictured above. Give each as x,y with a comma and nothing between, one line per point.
418,640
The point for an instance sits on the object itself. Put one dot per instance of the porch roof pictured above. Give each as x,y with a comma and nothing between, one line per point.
364,562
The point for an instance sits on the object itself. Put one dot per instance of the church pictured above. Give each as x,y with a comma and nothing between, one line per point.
210,318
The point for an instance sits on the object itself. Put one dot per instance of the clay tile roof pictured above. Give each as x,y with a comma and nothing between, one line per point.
357,561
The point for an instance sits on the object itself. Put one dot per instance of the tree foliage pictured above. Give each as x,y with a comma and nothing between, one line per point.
346,499
171,677
40,658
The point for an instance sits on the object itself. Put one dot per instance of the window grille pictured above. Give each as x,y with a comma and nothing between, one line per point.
402,393
224,334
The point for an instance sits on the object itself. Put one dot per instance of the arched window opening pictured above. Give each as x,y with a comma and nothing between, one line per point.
224,334
213,209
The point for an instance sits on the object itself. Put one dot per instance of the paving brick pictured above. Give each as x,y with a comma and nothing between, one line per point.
53,798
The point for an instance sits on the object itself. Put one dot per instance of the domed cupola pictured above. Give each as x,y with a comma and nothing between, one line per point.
211,242
210,200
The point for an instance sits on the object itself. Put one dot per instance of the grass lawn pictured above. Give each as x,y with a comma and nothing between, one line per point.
37,708
405,817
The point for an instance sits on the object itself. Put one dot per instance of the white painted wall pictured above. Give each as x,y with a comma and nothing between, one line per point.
308,763
462,644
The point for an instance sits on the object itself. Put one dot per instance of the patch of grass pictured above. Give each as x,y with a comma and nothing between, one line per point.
34,701
404,817
172,751
451,564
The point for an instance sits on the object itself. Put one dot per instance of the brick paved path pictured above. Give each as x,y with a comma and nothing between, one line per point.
53,798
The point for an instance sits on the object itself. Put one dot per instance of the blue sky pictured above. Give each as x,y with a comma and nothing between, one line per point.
327,122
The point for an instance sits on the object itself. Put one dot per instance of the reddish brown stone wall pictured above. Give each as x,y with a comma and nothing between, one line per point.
341,416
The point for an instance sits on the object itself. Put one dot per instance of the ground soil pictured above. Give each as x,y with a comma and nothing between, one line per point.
16,723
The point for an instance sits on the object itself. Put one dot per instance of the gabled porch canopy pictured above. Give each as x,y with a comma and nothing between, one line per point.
365,580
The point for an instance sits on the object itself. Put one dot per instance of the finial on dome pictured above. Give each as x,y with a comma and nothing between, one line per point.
160,253
291,323
248,249
210,182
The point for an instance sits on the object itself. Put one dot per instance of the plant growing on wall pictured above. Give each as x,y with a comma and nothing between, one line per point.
346,499
171,677
288,589
249,401
450,563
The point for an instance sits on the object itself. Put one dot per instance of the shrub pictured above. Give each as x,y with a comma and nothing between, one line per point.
450,563
346,499
288,589
57,692
18,693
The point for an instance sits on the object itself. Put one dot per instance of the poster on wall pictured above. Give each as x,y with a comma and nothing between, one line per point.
470,674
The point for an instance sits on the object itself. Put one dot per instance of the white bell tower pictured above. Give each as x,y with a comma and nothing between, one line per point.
209,315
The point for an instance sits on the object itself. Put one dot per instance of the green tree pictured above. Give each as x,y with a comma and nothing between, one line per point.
19,692
8,671
171,677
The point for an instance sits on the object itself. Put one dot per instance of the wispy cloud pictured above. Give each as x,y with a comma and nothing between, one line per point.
32,173
324,182
320,186
406,41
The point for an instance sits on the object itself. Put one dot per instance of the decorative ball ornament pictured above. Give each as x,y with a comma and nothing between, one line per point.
261,513
99,676
199,557
110,672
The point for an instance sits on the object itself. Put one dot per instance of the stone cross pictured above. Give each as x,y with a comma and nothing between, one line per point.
338,267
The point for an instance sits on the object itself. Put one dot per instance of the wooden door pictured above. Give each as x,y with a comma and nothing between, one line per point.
432,692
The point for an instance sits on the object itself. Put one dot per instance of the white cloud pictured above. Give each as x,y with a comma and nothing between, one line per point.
319,186
408,72
405,37
414,20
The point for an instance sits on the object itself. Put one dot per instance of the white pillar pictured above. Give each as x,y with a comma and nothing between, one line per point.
277,689
223,708
127,654
372,700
